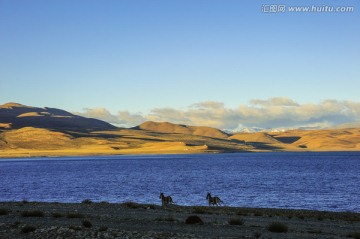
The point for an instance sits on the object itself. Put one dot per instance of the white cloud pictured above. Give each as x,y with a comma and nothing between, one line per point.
99,113
279,101
122,118
279,112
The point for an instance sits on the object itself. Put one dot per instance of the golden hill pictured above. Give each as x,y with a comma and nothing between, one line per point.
166,127
29,131
30,141
336,139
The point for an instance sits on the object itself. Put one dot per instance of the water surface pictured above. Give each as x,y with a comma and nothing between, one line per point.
321,181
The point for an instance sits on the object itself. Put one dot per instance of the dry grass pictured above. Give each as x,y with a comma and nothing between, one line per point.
277,227
236,221
28,141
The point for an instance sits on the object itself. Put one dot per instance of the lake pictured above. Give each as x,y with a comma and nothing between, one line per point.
322,181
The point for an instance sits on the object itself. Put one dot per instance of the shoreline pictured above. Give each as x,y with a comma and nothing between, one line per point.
55,154
133,220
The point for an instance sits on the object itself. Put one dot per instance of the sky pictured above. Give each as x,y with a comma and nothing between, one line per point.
221,63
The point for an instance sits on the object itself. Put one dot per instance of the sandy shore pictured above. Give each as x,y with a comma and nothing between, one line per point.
131,220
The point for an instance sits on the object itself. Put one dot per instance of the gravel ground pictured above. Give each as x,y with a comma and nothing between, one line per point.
131,220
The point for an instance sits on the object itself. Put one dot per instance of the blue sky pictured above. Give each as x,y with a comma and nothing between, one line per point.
139,57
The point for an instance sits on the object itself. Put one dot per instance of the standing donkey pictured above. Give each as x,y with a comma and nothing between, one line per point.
213,200
165,200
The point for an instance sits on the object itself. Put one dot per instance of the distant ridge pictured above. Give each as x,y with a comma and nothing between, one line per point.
347,126
14,115
166,127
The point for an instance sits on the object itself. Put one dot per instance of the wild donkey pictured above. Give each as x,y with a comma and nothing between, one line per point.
213,200
165,200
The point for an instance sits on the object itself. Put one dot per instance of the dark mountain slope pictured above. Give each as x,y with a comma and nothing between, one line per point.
19,116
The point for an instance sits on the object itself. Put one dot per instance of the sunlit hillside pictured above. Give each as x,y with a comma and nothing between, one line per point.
28,131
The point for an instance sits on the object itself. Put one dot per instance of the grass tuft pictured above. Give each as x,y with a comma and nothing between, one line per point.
75,215
56,214
194,220
103,229
86,223
277,227
35,213
236,221
355,235
28,228
3,211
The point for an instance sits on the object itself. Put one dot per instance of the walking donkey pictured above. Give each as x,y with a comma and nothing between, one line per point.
213,200
165,200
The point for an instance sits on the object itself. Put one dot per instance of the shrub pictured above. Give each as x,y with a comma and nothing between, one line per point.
56,214
35,213
236,221
3,211
75,215
28,228
24,201
86,201
277,227
194,220
86,223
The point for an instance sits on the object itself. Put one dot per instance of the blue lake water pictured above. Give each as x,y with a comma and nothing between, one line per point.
321,181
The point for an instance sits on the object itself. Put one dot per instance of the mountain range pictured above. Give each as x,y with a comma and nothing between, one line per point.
32,131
